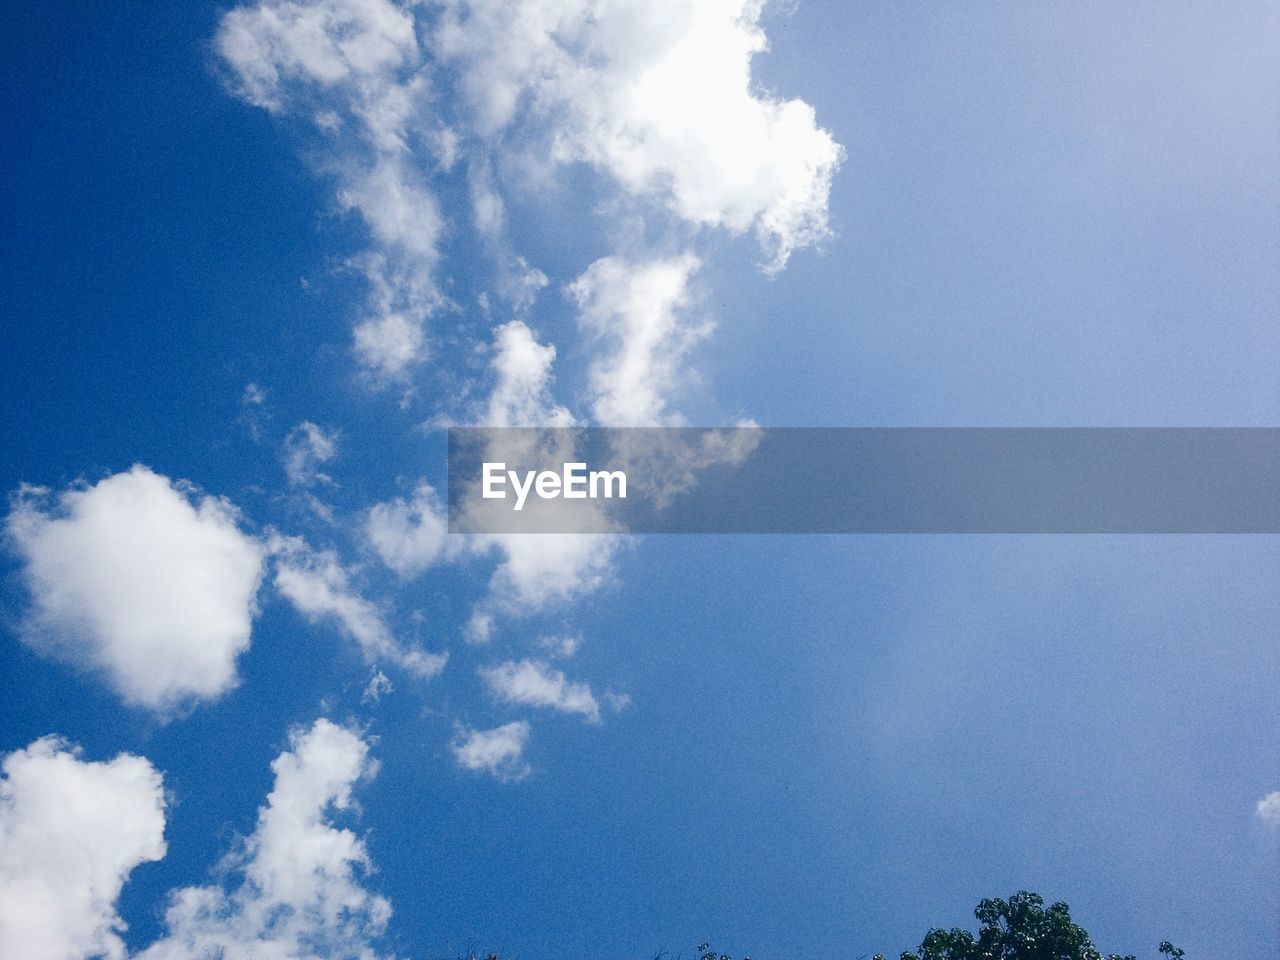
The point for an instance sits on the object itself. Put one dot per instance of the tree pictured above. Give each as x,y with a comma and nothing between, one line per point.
1020,928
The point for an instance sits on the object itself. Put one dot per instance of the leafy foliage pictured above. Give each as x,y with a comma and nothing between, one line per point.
1020,928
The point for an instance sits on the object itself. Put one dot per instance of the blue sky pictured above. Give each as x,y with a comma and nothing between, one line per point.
814,744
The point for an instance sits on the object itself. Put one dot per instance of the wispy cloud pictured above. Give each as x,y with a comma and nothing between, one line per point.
534,683
353,71
320,587
1269,808
306,449
498,752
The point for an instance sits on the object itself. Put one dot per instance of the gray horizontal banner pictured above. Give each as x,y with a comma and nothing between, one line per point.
864,480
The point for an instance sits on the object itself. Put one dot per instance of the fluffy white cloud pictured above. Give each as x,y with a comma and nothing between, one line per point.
534,683
498,752
1269,808
301,895
637,313
319,587
410,536
521,395
400,212
657,93
71,831
306,448
324,42
540,570
141,579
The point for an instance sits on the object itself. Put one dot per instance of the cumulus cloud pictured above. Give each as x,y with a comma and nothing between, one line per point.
521,395
401,213
306,449
71,831
1269,808
319,587
295,887
637,313
534,683
498,752
658,94
141,579
410,535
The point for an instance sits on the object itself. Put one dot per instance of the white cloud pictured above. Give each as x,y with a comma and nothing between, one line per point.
521,396
1269,808
399,211
658,94
637,313
563,646
410,536
389,342
319,587
352,67
71,831
404,218
498,752
544,569
617,701
379,684
533,683
479,628
253,410
516,282
140,579
392,338
280,42
305,448
300,894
